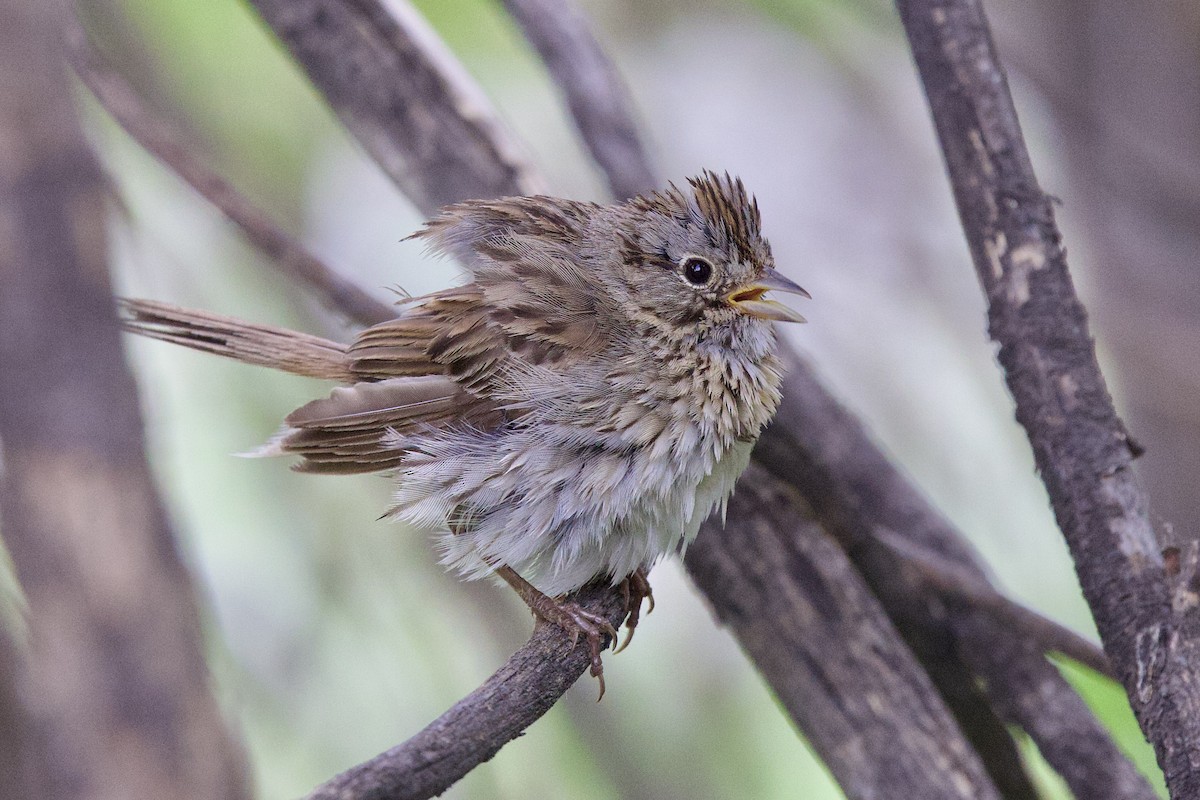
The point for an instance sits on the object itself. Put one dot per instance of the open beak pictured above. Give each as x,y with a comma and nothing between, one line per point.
749,298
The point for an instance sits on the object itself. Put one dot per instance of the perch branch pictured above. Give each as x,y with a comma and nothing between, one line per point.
476,727
588,80
1081,447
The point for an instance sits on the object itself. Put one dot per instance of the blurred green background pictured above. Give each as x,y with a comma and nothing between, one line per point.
334,636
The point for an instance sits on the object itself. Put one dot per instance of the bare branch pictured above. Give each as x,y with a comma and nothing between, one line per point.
159,137
1081,447
829,650
958,584
598,98
404,97
1022,688
816,445
477,726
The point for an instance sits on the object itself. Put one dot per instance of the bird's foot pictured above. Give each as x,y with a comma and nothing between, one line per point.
578,621
636,590
571,617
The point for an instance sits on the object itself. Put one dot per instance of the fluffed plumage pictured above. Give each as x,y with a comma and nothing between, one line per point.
576,410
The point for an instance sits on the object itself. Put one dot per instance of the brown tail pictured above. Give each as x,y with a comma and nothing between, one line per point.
263,345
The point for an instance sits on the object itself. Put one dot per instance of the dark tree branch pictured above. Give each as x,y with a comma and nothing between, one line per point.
114,679
1024,690
404,97
1081,447
598,98
828,649
962,586
168,144
477,726
858,496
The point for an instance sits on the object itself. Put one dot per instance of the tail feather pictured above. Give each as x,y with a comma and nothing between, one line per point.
263,345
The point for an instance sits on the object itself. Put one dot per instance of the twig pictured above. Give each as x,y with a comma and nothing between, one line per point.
406,99
598,98
159,137
1081,447
477,726
960,585
1059,722
829,651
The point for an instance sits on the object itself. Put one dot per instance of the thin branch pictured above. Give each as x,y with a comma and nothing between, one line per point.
961,585
1020,688
1081,447
829,650
404,97
589,81
477,726
161,138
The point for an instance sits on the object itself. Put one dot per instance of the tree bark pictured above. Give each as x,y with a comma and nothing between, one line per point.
1150,630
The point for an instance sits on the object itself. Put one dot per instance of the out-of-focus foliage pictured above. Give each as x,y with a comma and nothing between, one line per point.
334,635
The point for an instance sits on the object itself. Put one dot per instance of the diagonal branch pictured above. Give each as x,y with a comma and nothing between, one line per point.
167,144
404,97
598,98
864,501
960,585
476,727
829,650
1082,450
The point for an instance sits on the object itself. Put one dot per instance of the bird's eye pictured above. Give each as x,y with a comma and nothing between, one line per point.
696,271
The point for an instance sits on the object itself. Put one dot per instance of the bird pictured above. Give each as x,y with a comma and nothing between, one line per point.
572,413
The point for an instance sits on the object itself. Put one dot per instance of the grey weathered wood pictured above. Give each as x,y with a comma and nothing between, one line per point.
833,658
1082,450
476,727
863,500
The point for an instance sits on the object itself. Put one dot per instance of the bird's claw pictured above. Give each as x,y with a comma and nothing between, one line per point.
576,620
635,589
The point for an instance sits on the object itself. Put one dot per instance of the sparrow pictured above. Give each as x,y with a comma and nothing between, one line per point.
572,413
